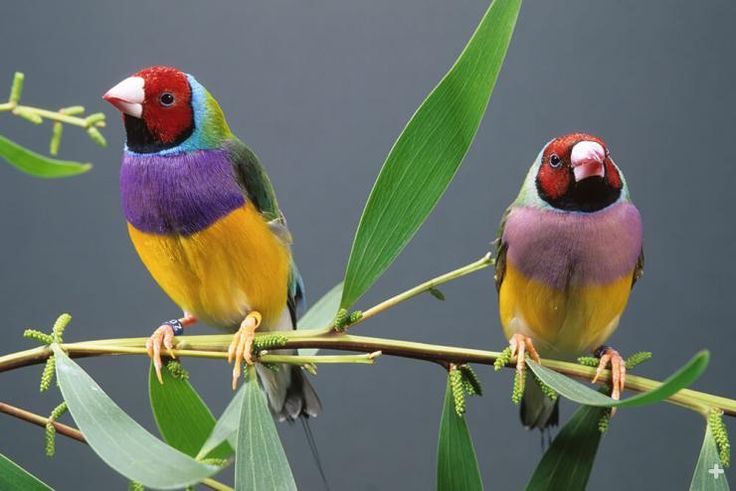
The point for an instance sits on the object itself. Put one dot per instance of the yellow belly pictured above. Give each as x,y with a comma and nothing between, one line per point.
222,272
563,323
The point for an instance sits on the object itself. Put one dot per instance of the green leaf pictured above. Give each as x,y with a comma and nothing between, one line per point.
260,460
37,165
568,461
320,315
582,394
181,415
226,427
13,476
118,440
428,152
707,475
457,466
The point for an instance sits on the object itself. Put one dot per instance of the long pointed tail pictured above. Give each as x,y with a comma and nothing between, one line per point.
315,451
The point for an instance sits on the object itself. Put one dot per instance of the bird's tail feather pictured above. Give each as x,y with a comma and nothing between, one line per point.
538,410
290,394
315,451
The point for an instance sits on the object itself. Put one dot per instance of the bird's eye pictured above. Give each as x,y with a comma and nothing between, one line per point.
555,160
167,99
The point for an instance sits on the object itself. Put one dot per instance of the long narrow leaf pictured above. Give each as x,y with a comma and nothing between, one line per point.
260,460
37,165
428,152
118,440
457,466
568,461
226,428
321,314
13,476
577,392
709,474
181,415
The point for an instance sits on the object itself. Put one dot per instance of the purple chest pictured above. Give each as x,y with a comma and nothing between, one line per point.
562,248
178,194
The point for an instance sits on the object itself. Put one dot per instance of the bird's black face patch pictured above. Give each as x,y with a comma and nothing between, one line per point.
588,195
141,140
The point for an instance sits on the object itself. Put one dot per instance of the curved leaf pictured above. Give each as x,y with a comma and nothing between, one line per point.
13,476
37,165
181,415
428,152
321,315
118,440
260,461
568,461
582,394
709,474
457,466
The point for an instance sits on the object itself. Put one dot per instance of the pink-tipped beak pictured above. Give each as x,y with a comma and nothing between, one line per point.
587,160
128,96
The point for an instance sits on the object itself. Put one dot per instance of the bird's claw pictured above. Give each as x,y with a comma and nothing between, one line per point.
162,336
241,347
618,371
520,345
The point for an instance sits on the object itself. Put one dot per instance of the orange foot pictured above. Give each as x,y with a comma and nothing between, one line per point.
618,369
520,344
241,347
163,336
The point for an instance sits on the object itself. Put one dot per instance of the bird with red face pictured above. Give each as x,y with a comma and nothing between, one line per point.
569,251
203,217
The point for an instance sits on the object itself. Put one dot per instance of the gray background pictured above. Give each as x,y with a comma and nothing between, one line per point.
320,89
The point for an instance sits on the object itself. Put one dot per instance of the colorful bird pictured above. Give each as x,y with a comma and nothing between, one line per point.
569,250
203,217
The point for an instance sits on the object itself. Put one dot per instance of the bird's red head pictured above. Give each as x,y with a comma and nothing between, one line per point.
577,174
156,104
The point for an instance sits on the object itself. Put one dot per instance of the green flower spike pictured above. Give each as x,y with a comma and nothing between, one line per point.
458,389
57,331
471,383
720,435
51,429
503,359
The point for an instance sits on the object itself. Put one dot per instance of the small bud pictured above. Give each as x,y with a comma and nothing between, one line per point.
72,110
470,381
341,320
96,136
458,390
55,143
177,370
589,361
604,421
637,359
518,390
47,376
436,293
50,439
61,322
38,336
93,119
136,486
17,88
268,342
355,317
503,359
28,115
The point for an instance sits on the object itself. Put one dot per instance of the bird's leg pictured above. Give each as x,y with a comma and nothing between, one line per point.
241,347
618,369
164,336
520,345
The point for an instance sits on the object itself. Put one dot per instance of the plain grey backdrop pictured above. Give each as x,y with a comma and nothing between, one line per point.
320,89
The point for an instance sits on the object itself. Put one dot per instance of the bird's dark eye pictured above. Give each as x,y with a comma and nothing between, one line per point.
555,160
167,99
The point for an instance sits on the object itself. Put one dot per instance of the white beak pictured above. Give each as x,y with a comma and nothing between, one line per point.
128,96
587,160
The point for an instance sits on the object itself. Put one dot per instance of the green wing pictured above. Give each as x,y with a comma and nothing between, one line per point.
501,247
257,188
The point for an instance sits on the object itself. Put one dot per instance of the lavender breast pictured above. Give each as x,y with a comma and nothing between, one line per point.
562,248
178,194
